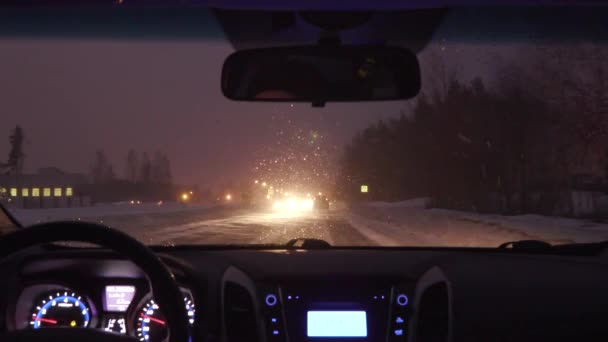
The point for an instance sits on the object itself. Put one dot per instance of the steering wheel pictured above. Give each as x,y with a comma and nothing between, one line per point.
164,287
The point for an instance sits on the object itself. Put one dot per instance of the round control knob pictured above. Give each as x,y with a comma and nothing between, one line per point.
402,300
271,300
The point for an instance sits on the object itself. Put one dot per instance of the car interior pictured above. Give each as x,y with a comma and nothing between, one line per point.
87,282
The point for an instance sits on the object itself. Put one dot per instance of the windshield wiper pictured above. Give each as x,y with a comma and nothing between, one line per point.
525,244
303,243
543,247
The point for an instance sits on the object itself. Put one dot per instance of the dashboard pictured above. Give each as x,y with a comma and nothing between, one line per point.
336,295
123,306
111,295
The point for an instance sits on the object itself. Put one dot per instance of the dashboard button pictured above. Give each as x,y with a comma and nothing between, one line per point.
402,300
399,320
398,332
273,320
275,332
271,300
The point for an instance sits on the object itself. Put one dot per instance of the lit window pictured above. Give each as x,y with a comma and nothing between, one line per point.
25,192
36,192
13,192
2,190
69,192
57,192
46,192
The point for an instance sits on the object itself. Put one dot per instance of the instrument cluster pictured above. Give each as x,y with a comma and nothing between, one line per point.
120,308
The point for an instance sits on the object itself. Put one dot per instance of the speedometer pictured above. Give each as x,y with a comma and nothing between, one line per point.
151,324
60,309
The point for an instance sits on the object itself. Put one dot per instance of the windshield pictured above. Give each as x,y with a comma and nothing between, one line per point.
506,141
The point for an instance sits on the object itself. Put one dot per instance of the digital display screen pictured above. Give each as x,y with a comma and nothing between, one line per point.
336,324
118,297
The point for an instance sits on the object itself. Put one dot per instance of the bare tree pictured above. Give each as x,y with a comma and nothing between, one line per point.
438,75
145,169
101,169
572,77
16,156
132,166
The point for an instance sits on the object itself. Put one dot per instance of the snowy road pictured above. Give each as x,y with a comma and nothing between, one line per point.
234,226
399,224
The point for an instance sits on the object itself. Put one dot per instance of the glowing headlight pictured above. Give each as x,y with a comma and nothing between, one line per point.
291,204
277,205
306,204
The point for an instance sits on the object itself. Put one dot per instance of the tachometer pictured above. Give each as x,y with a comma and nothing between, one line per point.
151,324
60,309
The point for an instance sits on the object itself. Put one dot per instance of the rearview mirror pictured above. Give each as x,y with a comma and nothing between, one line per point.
320,74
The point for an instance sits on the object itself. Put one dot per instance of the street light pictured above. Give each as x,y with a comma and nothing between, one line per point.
228,197
185,196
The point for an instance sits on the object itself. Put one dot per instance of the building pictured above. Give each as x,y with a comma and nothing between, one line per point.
48,188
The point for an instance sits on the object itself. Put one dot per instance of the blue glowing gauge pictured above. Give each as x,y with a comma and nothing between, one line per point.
60,309
151,325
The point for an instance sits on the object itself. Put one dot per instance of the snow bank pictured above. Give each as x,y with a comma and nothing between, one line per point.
413,203
410,223
30,216
550,228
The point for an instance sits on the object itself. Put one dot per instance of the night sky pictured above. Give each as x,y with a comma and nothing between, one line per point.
73,97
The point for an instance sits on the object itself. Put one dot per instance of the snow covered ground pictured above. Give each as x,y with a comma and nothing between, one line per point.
407,223
99,211
410,223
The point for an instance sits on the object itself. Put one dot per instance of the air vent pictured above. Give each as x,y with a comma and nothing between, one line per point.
239,314
433,314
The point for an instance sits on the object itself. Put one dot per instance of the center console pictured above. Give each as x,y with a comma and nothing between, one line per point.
336,310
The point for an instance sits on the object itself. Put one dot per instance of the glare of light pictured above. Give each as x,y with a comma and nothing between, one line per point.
191,192
256,181
308,195
160,203
267,197
320,193
264,184
138,202
132,202
185,196
291,204
277,205
306,204
228,197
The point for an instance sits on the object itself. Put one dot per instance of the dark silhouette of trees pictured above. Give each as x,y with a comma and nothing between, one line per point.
132,166
462,149
145,180
102,171
16,156
160,169
145,169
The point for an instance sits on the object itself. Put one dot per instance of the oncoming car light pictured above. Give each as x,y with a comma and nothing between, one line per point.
277,206
293,204
306,204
